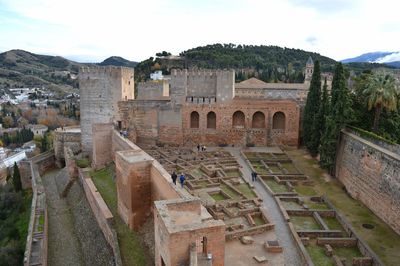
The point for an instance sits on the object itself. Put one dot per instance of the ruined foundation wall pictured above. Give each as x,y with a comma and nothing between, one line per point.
67,137
102,213
371,174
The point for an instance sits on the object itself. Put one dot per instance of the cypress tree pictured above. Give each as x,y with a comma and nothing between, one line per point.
312,120
324,107
43,147
17,178
340,113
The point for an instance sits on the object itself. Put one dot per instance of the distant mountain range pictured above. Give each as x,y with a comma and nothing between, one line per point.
117,61
387,58
19,68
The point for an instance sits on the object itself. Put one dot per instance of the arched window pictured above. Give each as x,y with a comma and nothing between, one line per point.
194,120
211,120
238,119
258,120
278,121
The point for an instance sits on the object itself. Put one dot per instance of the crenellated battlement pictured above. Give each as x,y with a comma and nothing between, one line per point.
200,72
105,70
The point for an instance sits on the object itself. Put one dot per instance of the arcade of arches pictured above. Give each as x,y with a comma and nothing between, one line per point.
239,120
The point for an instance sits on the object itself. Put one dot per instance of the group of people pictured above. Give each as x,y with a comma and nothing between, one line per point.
182,178
201,148
253,176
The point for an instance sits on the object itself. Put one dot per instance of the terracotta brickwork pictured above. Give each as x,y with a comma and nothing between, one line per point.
133,186
226,132
371,174
178,225
101,145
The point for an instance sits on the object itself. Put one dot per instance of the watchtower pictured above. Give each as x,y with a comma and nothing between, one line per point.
101,88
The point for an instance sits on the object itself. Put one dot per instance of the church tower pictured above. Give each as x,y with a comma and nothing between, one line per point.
309,70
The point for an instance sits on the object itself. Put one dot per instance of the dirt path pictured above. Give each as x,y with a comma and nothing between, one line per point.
63,245
291,254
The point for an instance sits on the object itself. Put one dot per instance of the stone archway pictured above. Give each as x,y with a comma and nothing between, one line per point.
279,121
194,120
238,119
258,120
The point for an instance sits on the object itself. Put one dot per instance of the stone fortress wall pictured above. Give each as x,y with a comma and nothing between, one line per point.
100,90
371,174
67,137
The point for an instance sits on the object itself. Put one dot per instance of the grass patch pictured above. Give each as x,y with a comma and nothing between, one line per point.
233,194
275,187
132,251
291,205
274,168
290,168
305,190
233,173
304,223
218,196
41,223
82,163
317,254
246,190
196,173
333,223
348,253
261,170
382,239
258,220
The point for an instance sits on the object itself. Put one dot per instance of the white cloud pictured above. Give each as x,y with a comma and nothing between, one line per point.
137,30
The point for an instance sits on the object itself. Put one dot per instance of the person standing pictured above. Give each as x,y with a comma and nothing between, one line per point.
174,177
255,176
182,179
198,147
252,176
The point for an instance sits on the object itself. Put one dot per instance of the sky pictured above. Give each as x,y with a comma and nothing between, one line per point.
92,30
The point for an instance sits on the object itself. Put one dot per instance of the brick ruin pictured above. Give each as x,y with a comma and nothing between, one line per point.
192,106
220,208
314,222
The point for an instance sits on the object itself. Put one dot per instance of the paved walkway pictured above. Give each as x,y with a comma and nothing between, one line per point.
291,254
63,245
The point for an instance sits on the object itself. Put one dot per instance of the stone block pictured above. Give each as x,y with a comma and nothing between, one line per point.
247,240
261,259
328,250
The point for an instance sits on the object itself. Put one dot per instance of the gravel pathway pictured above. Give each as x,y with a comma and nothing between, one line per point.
63,245
291,254
95,249
74,236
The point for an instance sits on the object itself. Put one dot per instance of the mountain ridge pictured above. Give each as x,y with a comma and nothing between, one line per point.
387,58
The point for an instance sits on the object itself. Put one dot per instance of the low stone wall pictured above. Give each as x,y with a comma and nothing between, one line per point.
37,239
70,163
44,161
371,174
362,246
337,242
103,215
161,188
66,137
